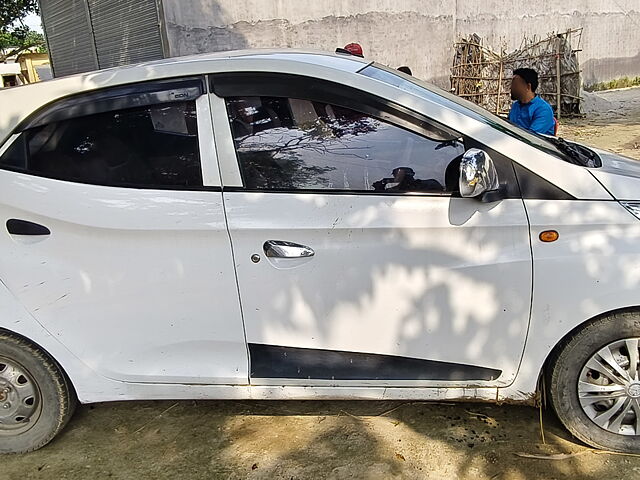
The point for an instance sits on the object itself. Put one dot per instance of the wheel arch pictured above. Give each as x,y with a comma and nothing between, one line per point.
45,352
555,350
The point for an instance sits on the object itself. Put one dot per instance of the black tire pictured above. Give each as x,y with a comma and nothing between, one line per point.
567,367
56,399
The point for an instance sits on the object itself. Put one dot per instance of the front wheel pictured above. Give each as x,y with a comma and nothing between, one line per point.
595,383
36,400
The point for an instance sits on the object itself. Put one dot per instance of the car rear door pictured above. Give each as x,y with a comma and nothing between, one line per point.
357,261
115,238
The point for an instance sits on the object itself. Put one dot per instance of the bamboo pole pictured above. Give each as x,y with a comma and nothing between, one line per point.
499,88
480,94
558,78
470,77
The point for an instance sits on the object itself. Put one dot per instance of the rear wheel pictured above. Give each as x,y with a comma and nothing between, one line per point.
595,383
36,400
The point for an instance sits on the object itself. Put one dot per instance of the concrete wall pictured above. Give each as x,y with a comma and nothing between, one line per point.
418,33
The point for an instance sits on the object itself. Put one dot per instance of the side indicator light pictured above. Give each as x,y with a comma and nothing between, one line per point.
549,236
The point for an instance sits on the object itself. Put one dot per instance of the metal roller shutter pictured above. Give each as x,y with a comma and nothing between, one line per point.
125,31
85,35
68,31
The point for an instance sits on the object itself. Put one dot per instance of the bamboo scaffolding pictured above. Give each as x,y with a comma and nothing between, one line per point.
483,75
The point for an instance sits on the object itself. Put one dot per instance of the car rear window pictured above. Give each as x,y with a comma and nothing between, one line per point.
149,146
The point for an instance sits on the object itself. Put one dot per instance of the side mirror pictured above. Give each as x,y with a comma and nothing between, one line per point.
477,174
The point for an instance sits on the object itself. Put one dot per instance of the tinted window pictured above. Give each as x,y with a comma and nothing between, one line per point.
291,144
151,146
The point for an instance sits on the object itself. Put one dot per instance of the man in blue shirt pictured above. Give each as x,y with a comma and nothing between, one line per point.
529,110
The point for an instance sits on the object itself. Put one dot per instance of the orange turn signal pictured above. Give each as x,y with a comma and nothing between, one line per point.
549,236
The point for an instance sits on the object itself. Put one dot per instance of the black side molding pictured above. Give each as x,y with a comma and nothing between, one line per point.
23,227
274,361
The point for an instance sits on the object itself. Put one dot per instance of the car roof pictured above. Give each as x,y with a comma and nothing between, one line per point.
20,102
340,61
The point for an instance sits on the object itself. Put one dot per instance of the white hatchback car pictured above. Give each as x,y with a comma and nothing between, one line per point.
290,225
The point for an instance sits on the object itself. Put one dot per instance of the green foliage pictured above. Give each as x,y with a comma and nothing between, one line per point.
31,39
623,82
15,36
12,12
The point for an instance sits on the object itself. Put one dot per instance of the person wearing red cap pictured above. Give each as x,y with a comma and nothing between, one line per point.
351,49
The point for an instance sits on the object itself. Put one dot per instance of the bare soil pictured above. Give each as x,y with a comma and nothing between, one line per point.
612,122
314,440
356,439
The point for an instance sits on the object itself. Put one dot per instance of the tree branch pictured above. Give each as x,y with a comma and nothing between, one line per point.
15,51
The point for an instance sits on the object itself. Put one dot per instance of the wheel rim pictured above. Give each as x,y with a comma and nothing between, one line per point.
609,387
20,399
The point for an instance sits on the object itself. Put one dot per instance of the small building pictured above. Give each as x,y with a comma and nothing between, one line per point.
27,67
34,67
10,75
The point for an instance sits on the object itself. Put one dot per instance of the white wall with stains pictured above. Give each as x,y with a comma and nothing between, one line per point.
418,33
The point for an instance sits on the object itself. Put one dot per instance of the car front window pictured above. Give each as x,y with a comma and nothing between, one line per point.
300,144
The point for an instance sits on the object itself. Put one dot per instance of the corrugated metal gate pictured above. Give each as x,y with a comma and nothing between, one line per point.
68,31
125,31
85,35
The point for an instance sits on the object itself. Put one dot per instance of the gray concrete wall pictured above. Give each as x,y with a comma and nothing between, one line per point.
418,33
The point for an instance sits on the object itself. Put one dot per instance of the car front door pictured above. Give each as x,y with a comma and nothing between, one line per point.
357,261
115,238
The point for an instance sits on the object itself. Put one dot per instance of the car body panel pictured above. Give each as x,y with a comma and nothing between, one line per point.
438,278
619,175
128,279
593,268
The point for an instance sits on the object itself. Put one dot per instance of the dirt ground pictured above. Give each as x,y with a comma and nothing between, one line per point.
612,122
315,440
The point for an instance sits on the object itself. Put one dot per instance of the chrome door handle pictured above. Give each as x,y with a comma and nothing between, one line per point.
282,249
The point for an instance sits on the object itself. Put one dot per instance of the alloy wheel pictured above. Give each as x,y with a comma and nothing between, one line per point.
609,387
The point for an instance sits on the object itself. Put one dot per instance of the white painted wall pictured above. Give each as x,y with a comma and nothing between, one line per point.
418,33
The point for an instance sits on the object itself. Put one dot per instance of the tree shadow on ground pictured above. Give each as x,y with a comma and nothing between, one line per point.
312,439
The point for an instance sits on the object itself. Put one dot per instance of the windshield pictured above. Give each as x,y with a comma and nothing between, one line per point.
425,90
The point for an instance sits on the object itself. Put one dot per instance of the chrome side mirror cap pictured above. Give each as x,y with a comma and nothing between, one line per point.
478,174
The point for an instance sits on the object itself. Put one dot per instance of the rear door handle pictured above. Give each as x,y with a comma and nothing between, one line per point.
282,249
16,226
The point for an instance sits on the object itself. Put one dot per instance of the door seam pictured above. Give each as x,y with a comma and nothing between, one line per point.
526,337
226,223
